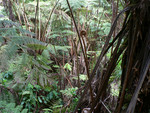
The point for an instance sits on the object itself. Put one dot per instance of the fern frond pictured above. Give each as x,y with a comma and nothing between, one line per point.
7,23
10,28
11,108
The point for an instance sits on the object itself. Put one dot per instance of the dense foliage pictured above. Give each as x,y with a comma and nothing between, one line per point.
69,55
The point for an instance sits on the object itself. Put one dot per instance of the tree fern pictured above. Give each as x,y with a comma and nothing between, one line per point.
23,64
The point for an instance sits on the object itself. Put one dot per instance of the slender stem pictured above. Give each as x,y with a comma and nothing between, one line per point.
104,50
36,13
39,24
49,18
77,64
84,54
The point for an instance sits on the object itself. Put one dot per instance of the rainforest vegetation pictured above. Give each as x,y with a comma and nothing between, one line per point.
74,56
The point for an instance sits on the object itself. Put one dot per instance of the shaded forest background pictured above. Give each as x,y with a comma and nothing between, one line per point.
89,56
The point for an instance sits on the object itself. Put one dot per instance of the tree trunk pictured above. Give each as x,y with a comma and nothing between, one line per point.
8,7
136,62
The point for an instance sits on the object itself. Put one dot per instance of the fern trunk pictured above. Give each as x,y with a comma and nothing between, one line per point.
135,92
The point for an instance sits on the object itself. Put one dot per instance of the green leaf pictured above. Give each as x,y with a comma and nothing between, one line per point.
18,109
55,93
26,93
62,48
30,86
47,109
83,77
56,66
24,111
50,95
68,66
40,100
